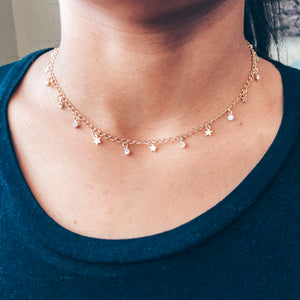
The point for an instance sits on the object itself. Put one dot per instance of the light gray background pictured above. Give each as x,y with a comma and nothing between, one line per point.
26,26
29,25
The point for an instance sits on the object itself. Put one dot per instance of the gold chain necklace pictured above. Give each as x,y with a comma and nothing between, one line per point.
97,133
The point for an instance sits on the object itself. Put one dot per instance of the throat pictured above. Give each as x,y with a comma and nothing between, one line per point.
146,73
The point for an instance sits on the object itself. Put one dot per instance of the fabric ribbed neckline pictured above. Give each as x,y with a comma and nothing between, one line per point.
35,222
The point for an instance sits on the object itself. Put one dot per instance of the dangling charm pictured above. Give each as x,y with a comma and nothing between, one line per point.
208,132
182,143
75,123
60,100
97,139
153,147
126,149
256,77
230,116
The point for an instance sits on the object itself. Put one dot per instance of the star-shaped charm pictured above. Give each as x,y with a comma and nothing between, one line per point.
97,140
208,132
153,148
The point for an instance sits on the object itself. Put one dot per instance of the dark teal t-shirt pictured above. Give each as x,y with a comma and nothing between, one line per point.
245,247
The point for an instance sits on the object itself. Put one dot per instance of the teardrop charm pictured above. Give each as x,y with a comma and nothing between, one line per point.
126,149
75,124
230,116
182,144
60,100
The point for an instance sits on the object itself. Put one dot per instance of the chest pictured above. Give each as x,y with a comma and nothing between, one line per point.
97,191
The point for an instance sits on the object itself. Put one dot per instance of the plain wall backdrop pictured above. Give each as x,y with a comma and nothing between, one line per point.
26,26
29,25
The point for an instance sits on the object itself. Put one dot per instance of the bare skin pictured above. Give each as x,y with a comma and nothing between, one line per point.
145,73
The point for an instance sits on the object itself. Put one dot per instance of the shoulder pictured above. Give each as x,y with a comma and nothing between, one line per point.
290,78
5,70
12,72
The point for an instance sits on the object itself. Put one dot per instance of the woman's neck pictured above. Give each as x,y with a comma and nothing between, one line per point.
139,69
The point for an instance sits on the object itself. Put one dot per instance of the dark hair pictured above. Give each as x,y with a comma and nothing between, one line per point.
262,24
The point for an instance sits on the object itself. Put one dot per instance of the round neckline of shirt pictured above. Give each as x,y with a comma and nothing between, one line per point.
35,221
